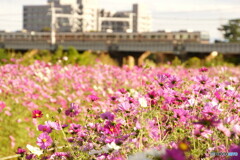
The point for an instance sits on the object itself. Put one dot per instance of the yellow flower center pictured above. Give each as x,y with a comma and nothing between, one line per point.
44,140
37,115
183,146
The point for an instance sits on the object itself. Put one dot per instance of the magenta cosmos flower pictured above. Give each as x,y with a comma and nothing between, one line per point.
37,114
174,154
203,69
93,97
73,110
20,151
60,155
44,141
111,128
236,149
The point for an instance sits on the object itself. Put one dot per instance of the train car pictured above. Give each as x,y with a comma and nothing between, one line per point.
174,37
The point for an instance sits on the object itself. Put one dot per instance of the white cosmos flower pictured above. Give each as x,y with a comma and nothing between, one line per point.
113,146
34,150
65,58
231,88
110,91
143,102
134,93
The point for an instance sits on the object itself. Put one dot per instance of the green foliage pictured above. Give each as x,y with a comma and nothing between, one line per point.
231,31
3,55
149,63
58,54
217,61
106,59
87,58
72,55
43,55
192,62
176,61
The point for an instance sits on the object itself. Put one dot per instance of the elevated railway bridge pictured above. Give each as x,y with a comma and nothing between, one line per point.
121,45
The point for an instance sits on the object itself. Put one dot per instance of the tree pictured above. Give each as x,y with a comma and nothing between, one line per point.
231,31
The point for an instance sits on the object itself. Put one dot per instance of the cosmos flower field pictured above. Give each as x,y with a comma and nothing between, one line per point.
105,112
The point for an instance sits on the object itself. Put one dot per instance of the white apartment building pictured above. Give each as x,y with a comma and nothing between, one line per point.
85,16
142,20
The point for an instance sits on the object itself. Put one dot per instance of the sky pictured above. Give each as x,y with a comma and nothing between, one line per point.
170,15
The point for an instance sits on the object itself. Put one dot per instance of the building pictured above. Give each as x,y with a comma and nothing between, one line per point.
141,19
71,15
85,16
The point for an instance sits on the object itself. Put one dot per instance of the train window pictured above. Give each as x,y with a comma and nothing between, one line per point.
166,37
153,37
189,36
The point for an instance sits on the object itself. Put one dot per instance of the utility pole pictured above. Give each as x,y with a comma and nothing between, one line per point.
53,24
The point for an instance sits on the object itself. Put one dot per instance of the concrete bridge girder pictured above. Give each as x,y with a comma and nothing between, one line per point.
129,46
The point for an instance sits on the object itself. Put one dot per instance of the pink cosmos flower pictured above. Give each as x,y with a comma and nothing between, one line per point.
44,141
153,130
53,125
152,94
107,115
45,128
30,156
236,129
12,141
232,120
225,130
122,90
208,121
202,79
125,106
37,114
181,115
202,131
74,128
2,106
173,81
162,80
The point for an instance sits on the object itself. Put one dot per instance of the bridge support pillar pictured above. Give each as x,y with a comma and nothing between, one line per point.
130,61
143,57
160,57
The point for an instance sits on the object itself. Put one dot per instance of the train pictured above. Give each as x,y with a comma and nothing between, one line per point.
161,36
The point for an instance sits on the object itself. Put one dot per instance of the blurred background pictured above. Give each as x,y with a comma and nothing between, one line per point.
167,29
